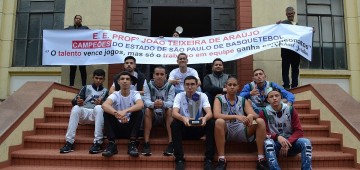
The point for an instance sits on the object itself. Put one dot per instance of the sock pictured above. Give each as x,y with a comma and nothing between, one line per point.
261,157
221,157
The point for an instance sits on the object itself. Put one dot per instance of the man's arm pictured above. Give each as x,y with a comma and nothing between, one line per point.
176,110
105,96
176,114
245,92
112,89
249,110
196,74
172,78
81,94
107,106
147,98
296,126
139,104
286,94
170,98
208,114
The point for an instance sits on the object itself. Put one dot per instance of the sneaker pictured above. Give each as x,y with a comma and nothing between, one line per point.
132,149
180,165
221,164
146,149
169,150
95,148
208,165
110,150
68,147
262,165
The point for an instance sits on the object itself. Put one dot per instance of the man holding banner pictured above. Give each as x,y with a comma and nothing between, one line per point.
290,57
189,122
78,26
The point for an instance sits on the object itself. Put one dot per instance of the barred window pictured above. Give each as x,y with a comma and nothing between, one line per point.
33,16
329,45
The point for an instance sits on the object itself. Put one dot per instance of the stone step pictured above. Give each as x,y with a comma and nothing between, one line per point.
52,157
88,130
159,144
22,167
63,117
65,106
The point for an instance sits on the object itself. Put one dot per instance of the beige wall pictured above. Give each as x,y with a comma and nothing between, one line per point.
7,26
96,15
270,60
352,16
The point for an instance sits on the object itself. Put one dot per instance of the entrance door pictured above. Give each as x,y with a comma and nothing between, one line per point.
196,22
198,18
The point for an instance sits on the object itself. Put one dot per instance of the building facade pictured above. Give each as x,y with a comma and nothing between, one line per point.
336,37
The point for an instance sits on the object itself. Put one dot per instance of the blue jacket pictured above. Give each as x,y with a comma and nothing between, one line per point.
245,92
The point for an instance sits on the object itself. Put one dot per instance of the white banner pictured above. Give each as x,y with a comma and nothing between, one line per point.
86,47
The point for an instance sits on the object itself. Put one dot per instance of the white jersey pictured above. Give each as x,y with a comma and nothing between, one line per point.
181,102
123,102
176,74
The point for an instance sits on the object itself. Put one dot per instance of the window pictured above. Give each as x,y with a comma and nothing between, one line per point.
32,17
329,45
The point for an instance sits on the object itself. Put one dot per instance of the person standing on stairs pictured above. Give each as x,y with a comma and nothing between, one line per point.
158,98
87,110
123,116
77,26
234,122
284,132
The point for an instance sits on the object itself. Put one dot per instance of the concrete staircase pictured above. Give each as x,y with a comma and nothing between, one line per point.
41,150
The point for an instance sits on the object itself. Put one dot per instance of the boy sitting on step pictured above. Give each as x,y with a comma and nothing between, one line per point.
87,110
284,132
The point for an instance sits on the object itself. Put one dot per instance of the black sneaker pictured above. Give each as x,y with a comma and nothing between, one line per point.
169,150
262,165
146,149
132,149
68,147
180,165
208,165
110,150
221,164
95,148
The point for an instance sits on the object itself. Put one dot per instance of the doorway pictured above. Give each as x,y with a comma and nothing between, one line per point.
196,22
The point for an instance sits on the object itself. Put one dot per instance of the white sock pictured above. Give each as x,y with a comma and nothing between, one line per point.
221,157
261,157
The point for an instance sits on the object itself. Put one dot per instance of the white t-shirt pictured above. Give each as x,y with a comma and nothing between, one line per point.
176,74
123,102
181,103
